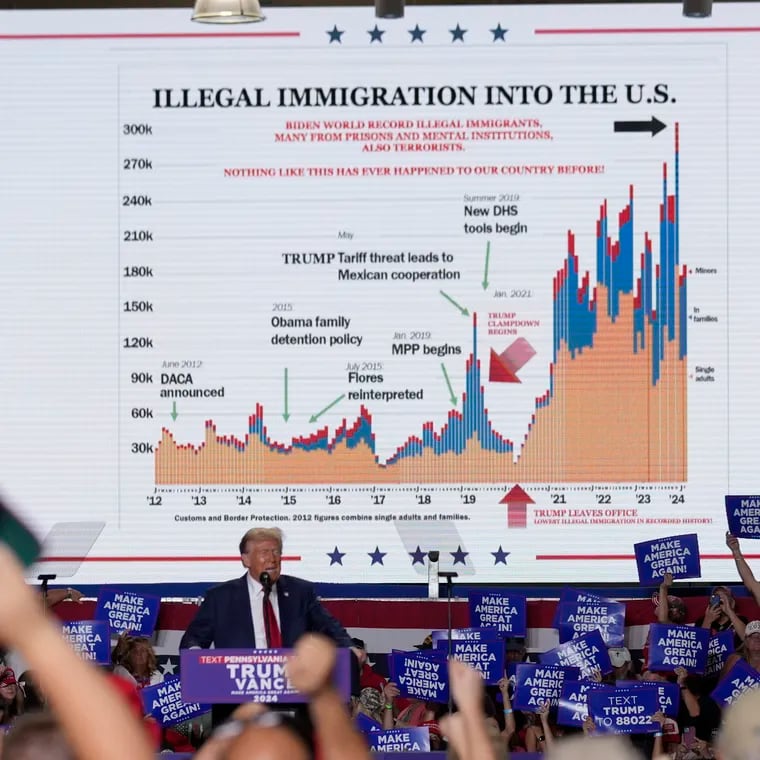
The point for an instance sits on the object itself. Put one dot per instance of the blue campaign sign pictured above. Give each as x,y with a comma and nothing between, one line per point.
573,702
164,702
90,639
624,710
366,724
719,647
468,634
127,611
678,555
607,617
743,514
536,684
673,646
248,675
487,657
400,740
421,676
507,613
668,694
742,677
588,653
575,596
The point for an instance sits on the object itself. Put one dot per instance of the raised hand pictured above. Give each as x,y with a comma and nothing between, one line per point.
311,666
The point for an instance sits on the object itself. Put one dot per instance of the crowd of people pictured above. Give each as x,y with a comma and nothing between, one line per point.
62,708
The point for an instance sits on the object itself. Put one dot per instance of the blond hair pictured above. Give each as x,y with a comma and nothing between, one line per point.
255,535
739,737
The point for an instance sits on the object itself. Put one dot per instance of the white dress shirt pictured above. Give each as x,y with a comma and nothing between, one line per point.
256,597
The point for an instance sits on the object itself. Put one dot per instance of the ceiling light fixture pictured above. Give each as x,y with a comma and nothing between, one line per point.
697,8
227,11
389,8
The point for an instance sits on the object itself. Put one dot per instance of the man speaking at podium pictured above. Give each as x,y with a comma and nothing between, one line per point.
262,609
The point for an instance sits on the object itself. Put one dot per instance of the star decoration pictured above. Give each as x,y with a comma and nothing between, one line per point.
417,33
168,667
418,556
498,34
457,33
500,556
459,556
335,34
377,556
375,35
336,557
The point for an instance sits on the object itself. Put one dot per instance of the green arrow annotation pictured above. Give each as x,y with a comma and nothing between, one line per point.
286,413
315,417
488,258
464,312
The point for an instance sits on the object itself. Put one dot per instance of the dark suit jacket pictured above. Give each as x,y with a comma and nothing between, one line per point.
224,617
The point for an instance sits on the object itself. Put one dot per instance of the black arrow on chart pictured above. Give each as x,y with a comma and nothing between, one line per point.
654,125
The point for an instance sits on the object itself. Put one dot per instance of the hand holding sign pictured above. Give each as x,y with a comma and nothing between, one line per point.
743,514
674,555
732,542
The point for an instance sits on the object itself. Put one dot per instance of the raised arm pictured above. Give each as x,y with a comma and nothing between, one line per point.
466,728
662,609
310,671
509,714
92,702
745,571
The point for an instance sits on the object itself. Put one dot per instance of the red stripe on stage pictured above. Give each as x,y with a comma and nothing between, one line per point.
655,30
582,557
145,35
421,614
153,559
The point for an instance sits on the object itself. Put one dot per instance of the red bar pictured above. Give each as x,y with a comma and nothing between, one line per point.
655,30
145,35
155,559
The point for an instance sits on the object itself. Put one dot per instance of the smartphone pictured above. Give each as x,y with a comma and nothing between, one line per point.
715,600
18,537
688,736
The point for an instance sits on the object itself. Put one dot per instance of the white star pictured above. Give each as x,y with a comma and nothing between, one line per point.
168,668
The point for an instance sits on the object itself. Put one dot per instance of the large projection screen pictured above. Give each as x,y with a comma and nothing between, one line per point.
481,280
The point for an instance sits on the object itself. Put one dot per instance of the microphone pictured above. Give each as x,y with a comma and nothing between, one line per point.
266,582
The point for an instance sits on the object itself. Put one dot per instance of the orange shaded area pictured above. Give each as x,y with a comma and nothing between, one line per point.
605,422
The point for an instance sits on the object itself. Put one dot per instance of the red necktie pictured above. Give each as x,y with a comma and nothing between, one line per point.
274,640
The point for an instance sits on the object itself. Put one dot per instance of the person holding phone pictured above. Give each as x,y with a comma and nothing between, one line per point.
720,615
